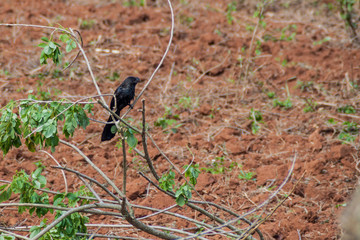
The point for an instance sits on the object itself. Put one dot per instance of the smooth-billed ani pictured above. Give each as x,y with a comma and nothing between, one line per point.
124,94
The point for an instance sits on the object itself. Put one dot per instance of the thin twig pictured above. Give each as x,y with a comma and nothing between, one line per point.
89,68
111,183
257,224
210,69
90,188
161,61
144,142
253,210
13,234
71,211
90,179
63,173
177,170
203,211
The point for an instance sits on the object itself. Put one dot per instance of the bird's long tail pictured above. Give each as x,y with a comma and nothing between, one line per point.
107,134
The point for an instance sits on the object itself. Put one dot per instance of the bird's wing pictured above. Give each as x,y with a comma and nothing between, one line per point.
121,99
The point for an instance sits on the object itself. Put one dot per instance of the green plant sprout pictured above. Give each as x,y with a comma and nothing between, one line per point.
247,176
256,118
217,166
114,76
324,40
304,86
347,14
270,95
350,132
348,109
86,24
231,7
310,105
286,104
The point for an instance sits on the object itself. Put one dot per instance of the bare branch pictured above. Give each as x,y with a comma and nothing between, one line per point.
161,61
63,173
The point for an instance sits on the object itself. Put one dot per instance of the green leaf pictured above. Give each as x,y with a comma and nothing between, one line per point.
37,173
42,45
180,200
47,50
72,196
34,231
52,45
45,39
49,129
73,44
131,139
64,38
68,48
42,181
5,192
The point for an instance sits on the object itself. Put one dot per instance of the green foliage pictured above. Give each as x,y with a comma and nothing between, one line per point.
10,132
259,13
231,7
284,62
247,176
346,11
39,122
349,133
50,50
331,121
270,94
217,166
354,85
183,192
192,172
86,24
4,72
164,122
167,182
305,86
115,76
185,20
287,104
135,3
288,33
258,48
168,119
320,42
6,237
27,187
130,138
187,103
256,118
70,43
348,109
310,106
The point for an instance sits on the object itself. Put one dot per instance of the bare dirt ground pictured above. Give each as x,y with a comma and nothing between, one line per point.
210,84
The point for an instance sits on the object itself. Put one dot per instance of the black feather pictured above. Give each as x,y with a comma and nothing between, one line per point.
123,94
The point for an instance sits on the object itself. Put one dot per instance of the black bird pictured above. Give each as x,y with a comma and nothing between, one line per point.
124,94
